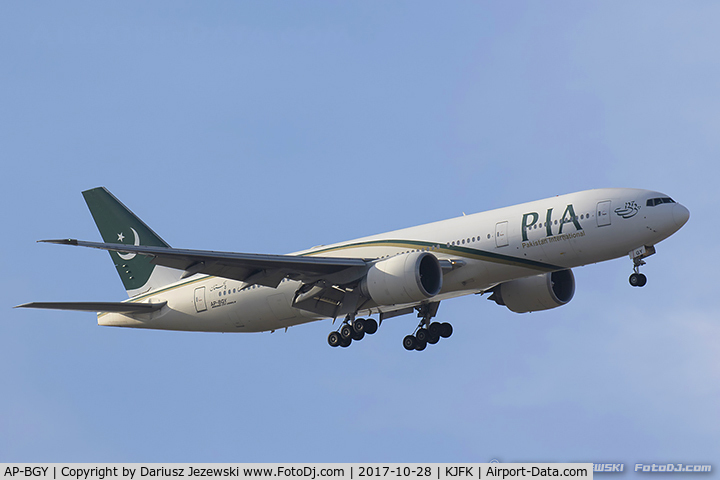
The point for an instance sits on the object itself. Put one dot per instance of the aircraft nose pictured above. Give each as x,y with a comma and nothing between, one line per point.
680,214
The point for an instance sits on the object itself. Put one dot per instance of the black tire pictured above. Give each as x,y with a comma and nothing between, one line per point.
409,342
346,331
371,326
446,331
358,336
634,280
643,280
345,342
435,328
433,338
334,339
421,335
358,325
420,346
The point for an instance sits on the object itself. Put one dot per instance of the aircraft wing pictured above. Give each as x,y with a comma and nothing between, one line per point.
261,269
117,307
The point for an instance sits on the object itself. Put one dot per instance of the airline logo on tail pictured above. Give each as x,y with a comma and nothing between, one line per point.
121,237
118,224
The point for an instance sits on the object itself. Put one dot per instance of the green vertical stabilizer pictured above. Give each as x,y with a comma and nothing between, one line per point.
117,224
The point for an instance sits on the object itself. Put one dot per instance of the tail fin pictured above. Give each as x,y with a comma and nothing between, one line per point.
117,224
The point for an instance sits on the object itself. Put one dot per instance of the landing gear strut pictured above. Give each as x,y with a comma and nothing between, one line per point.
426,332
352,329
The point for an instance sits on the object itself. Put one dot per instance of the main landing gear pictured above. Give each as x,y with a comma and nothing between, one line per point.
427,332
352,329
424,335
637,279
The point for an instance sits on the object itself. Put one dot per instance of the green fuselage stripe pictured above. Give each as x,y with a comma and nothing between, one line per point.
457,250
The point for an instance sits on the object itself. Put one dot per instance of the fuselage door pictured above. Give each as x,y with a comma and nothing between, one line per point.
501,236
603,213
200,299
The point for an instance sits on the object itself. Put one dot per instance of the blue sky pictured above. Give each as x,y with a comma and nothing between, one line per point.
272,127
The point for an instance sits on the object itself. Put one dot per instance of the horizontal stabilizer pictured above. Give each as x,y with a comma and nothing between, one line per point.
115,307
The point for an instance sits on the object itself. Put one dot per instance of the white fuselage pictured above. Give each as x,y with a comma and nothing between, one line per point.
489,248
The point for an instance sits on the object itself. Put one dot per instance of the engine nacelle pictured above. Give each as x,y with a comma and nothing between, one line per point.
541,292
406,278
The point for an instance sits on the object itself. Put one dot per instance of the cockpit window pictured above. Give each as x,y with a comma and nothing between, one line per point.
657,201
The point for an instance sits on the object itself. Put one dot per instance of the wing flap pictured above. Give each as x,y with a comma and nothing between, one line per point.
115,307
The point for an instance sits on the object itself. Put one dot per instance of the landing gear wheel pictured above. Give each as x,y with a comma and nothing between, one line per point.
371,326
334,339
346,331
358,336
446,331
420,346
358,325
421,335
435,328
345,342
409,342
638,280
433,338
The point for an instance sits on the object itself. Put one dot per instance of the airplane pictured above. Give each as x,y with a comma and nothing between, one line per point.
522,256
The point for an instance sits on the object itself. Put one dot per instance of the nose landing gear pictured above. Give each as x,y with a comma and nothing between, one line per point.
637,279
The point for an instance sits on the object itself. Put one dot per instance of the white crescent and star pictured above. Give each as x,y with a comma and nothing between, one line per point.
121,237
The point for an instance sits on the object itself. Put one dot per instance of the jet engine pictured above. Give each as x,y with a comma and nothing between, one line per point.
540,292
406,278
